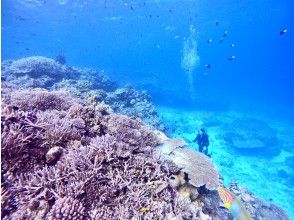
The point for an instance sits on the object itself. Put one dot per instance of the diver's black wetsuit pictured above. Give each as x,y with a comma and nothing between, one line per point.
203,142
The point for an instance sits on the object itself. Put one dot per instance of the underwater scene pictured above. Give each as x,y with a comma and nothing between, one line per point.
150,109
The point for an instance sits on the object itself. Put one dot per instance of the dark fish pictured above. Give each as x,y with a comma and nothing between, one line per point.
132,8
170,11
208,66
221,40
209,41
283,31
27,48
216,23
232,57
20,18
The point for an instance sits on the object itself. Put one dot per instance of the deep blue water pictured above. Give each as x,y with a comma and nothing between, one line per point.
141,42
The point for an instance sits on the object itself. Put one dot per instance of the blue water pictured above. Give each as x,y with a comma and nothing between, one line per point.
141,42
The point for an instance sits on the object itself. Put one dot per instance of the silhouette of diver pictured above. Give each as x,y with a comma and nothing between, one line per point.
202,141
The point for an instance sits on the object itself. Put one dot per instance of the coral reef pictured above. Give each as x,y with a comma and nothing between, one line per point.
37,99
42,72
133,103
69,155
60,58
83,161
35,71
258,208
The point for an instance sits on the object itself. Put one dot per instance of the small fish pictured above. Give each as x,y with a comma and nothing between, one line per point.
205,74
283,31
143,210
208,66
225,34
216,23
209,41
20,18
232,203
232,57
233,45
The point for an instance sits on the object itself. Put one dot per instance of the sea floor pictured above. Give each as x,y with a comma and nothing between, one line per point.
270,178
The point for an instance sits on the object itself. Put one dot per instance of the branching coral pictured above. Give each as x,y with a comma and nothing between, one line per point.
41,100
35,72
133,103
85,162
21,140
98,178
131,131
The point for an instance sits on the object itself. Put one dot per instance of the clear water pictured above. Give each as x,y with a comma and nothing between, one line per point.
166,48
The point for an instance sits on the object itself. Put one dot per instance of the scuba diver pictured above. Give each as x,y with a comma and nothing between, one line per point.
202,141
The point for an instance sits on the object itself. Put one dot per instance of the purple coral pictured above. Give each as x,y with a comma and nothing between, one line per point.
41,100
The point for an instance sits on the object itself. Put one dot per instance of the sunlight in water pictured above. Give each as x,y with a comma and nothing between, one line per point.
190,59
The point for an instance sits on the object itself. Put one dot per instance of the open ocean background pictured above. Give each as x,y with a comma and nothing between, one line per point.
142,43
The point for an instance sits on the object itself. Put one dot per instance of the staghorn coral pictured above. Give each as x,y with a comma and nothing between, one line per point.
21,140
42,72
98,178
43,100
135,104
35,71
116,165
85,162
131,131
